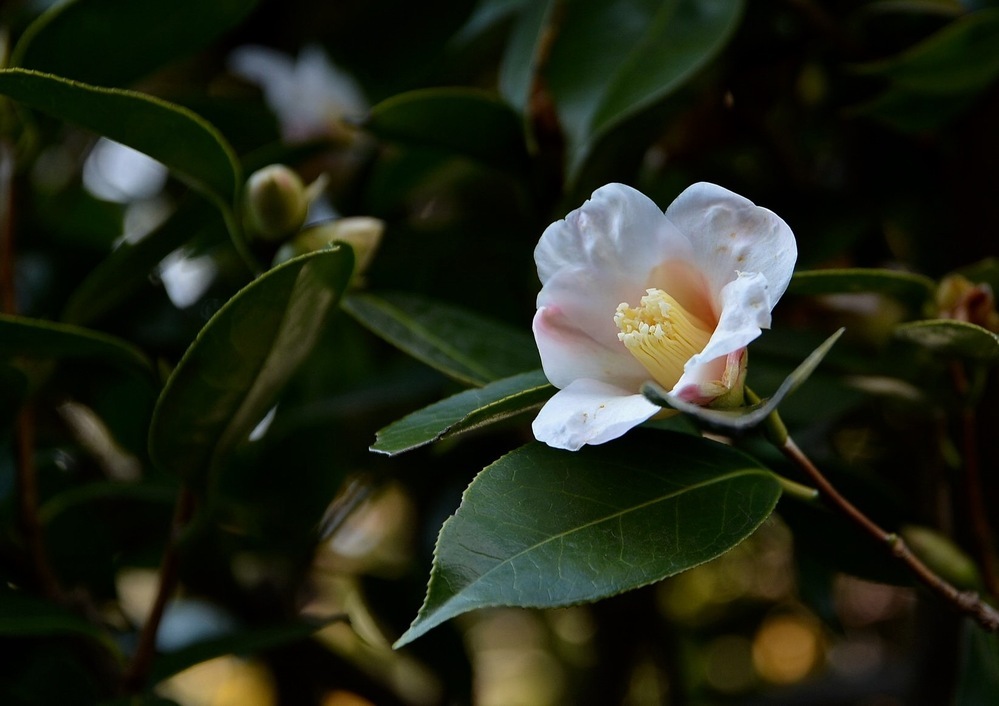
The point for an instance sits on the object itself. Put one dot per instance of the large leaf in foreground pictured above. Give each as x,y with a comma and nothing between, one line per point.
544,528
192,148
459,343
237,367
465,411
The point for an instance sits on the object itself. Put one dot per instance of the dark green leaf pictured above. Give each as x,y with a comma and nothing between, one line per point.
611,60
960,58
115,42
26,616
464,121
520,61
949,338
456,342
544,528
978,679
744,418
106,490
37,338
465,411
916,290
175,136
237,367
244,642
13,389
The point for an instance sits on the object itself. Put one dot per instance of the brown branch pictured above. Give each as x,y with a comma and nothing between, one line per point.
967,602
137,674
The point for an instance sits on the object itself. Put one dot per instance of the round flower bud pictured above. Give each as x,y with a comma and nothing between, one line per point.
362,233
275,203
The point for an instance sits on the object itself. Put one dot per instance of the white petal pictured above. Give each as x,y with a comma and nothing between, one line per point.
730,234
745,311
590,412
569,353
619,232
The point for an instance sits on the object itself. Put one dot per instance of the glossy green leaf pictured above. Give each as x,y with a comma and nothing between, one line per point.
744,418
126,271
98,491
978,676
465,411
243,642
960,58
115,42
913,289
464,121
542,527
949,338
237,367
22,615
611,60
520,60
456,342
37,338
194,150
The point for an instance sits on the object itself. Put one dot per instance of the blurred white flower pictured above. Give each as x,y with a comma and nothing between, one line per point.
631,294
114,172
309,96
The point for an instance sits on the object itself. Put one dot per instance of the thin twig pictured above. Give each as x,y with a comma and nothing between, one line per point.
138,671
967,602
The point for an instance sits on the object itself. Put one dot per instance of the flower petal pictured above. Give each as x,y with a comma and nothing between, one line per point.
619,232
745,311
730,234
590,412
570,352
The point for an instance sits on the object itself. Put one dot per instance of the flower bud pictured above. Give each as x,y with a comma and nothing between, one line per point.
275,204
362,233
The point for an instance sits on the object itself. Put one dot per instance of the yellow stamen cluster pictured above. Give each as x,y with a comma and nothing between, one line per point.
661,334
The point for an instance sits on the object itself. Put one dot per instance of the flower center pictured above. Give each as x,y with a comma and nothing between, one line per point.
661,334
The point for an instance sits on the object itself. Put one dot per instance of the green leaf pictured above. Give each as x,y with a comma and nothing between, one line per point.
115,42
467,122
125,272
978,678
516,77
611,60
465,411
13,390
456,342
171,134
744,418
960,58
243,642
26,616
542,527
37,338
952,339
145,492
915,290
237,367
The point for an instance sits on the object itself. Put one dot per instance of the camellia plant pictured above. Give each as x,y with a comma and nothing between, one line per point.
269,276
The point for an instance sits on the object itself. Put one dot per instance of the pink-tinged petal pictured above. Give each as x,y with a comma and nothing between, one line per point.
590,412
619,232
745,311
719,382
569,353
730,234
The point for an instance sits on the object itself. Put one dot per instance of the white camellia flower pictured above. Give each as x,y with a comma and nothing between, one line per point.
630,294
309,96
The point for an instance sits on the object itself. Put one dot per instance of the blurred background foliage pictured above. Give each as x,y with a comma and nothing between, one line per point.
467,127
